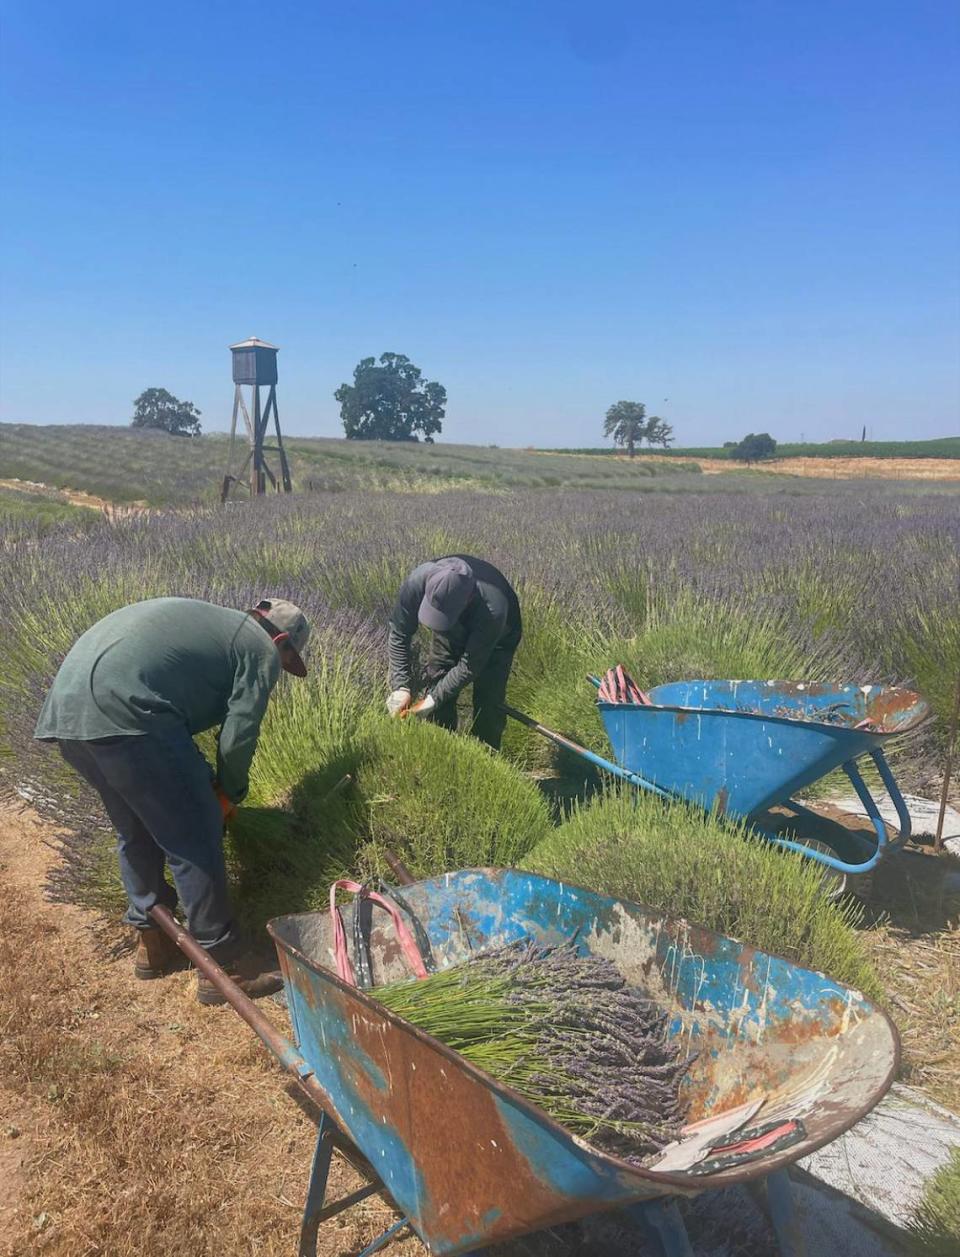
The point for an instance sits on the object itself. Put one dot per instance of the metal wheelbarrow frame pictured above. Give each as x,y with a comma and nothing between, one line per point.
741,747
467,1160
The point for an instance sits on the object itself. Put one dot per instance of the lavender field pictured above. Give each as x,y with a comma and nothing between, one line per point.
858,585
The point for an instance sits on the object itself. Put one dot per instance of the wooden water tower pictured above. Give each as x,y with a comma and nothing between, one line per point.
255,366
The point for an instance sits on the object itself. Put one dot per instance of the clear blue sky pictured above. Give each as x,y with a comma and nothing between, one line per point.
749,209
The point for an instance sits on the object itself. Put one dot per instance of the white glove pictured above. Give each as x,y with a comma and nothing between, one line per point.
398,701
424,707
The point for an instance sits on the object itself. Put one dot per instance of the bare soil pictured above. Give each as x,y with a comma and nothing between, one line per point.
76,497
847,468
132,1120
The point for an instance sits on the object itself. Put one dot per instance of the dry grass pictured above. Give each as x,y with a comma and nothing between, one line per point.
847,468
143,1124
132,1121
915,945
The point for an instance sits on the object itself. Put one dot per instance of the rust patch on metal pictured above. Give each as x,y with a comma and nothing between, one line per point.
293,973
888,707
748,978
471,1168
723,794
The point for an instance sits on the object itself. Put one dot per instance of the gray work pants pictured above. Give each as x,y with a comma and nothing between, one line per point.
157,791
489,688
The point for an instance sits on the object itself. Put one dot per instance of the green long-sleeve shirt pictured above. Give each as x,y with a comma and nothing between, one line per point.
163,663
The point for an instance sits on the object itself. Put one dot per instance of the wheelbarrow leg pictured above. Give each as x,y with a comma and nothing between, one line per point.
883,844
315,1211
317,1189
385,1238
661,1220
783,1214
774,1195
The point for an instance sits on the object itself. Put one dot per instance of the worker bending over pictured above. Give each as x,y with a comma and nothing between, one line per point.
474,615
124,707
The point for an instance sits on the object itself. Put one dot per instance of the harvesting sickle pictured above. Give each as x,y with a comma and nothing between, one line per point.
473,614
124,708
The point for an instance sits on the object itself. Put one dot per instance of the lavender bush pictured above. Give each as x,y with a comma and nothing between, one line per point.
861,584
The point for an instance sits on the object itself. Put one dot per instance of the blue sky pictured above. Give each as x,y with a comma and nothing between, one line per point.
743,214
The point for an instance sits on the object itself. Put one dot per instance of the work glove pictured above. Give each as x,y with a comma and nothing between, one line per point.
398,702
423,708
227,806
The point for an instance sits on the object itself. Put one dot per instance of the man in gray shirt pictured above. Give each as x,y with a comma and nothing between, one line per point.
124,708
474,616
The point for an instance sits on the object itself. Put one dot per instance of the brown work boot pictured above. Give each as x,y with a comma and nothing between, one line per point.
255,973
157,954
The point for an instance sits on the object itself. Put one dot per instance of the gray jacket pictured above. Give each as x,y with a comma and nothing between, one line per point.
491,621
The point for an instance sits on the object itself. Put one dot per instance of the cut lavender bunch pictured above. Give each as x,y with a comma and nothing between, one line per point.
565,1031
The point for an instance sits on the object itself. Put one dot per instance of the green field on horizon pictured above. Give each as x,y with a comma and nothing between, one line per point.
126,465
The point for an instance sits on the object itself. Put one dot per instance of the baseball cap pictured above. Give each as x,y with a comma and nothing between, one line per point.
290,625
446,595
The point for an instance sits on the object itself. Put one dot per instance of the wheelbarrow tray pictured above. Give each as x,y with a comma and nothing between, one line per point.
469,1160
744,746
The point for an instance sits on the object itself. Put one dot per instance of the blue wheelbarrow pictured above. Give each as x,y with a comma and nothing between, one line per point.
786,1061
743,747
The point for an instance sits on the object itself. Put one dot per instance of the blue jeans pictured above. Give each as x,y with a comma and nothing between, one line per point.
157,791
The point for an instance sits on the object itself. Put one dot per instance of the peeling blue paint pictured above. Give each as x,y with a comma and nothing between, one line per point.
486,1166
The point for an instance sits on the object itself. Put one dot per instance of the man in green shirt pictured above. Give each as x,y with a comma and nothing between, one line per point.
124,708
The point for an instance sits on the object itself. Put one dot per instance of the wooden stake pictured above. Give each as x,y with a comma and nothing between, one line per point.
947,769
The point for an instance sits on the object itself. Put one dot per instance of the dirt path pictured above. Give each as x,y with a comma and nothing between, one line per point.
76,497
847,468
133,1121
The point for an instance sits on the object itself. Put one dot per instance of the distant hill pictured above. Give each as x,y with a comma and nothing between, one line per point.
139,465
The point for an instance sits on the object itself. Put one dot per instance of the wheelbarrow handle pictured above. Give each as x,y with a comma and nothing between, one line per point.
398,868
281,1047
575,748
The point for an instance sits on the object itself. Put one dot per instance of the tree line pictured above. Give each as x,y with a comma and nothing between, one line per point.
389,400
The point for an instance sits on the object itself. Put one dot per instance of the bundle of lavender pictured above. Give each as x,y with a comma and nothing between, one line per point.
566,1032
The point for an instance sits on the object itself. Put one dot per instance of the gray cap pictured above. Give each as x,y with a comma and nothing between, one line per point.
448,590
291,627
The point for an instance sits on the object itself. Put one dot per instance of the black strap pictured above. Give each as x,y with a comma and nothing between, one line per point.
362,926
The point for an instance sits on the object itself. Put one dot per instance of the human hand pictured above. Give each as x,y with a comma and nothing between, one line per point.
398,702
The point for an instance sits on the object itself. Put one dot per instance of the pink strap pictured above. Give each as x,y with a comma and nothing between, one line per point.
621,684
405,938
618,686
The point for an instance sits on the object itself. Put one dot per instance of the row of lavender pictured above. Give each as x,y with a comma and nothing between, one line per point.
876,576
854,586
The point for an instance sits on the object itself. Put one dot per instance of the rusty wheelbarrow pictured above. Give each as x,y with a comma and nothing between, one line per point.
742,747
787,1060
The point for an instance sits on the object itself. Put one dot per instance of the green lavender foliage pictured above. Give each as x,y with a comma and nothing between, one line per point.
442,803
935,1227
686,863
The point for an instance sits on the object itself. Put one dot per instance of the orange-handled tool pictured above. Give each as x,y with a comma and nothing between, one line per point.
227,806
